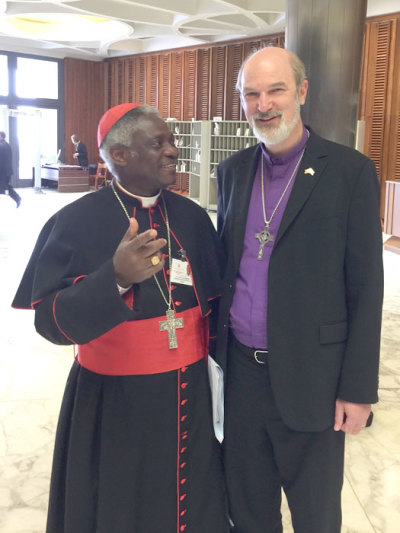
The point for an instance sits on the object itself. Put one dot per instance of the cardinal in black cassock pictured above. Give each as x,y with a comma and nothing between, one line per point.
131,275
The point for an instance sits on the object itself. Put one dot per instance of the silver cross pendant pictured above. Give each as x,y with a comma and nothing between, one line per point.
263,238
171,325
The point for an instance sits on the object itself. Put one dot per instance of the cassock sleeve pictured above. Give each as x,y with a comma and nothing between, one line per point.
74,294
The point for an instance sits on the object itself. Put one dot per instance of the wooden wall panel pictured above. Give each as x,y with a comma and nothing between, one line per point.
189,85
152,80
234,58
163,82
203,98
176,82
394,125
140,80
84,103
376,99
218,64
129,97
197,82
379,98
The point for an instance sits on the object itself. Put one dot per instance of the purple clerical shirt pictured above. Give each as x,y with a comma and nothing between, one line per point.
248,314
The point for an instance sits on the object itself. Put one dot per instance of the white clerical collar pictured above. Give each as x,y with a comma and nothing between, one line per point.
147,201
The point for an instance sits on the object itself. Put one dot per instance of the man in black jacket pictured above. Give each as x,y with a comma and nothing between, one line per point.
300,317
80,154
6,170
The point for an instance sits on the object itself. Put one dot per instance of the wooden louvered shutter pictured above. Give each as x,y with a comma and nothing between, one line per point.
190,85
120,85
176,84
376,99
115,80
109,80
152,80
163,85
394,126
140,80
251,46
232,99
129,86
275,40
203,84
218,58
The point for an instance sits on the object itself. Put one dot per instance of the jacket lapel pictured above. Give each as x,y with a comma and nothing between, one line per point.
314,160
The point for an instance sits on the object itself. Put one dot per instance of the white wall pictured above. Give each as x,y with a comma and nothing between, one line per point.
381,7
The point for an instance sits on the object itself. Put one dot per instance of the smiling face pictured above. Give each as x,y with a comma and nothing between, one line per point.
149,162
271,100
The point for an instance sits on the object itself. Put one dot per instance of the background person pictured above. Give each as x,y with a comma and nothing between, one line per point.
6,170
299,334
80,154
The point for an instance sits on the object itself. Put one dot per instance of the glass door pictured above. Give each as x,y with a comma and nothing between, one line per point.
36,134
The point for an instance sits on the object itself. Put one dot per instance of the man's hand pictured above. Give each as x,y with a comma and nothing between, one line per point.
133,257
351,417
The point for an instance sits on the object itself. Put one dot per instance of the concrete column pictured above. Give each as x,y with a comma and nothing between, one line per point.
328,36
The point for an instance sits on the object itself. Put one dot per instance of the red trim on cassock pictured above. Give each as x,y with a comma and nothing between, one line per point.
56,321
78,278
35,303
139,347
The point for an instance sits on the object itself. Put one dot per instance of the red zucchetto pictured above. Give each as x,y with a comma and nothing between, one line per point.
110,118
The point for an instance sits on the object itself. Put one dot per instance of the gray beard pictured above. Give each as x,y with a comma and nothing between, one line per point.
271,135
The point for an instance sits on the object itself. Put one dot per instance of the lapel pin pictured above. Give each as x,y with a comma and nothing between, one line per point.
309,171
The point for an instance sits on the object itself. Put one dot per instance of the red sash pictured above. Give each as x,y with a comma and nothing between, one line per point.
139,347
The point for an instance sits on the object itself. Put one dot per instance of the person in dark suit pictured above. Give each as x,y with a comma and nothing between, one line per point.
80,154
300,313
6,170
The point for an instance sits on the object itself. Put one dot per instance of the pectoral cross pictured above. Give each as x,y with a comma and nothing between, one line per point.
263,238
171,325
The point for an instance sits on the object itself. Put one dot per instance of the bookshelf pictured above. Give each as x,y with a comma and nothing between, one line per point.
199,161
182,134
227,137
203,144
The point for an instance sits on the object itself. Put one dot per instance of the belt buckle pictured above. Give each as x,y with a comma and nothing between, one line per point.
256,356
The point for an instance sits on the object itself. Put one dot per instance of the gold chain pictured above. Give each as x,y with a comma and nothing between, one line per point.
169,301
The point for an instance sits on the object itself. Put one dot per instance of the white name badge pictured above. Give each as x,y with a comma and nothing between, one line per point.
180,272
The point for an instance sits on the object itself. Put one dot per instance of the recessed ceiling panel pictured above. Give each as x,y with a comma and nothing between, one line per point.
62,26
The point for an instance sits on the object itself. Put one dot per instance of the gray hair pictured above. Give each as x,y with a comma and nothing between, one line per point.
75,138
296,63
121,132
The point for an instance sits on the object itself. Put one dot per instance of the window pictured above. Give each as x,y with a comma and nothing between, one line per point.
37,78
4,118
37,137
3,75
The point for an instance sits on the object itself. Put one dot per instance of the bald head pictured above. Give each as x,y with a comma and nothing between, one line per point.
276,55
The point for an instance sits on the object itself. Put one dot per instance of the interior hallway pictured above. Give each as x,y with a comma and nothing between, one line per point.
33,374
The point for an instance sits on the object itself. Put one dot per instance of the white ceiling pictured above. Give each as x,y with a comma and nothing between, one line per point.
38,26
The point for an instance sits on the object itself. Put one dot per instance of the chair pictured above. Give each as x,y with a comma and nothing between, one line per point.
102,176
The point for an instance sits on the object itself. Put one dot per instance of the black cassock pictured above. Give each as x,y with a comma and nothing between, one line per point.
133,453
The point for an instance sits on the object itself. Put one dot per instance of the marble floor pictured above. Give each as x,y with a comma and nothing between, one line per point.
33,374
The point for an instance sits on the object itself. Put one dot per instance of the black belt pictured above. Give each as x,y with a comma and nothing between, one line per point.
260,356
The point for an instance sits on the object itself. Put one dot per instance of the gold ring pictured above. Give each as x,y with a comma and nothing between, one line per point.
155,260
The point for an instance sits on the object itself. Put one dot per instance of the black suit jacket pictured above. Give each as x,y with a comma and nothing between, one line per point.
325,281
82,154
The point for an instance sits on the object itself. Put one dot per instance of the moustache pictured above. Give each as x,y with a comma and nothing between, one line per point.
267,116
